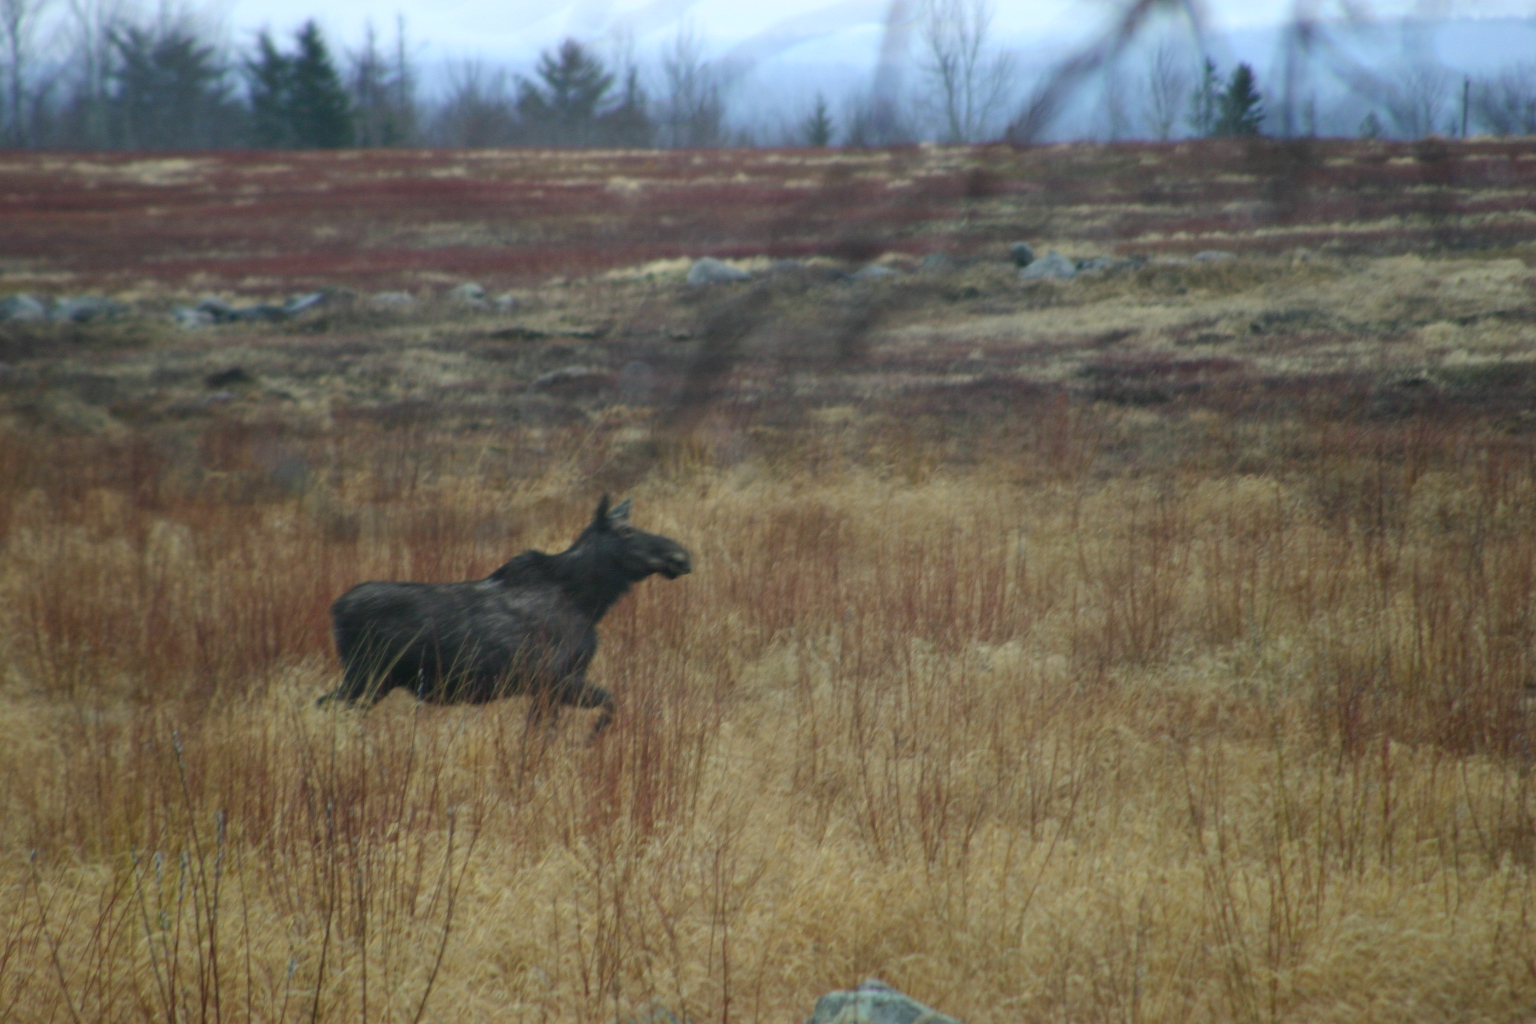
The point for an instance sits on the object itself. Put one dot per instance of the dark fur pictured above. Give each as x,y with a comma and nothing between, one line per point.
530,627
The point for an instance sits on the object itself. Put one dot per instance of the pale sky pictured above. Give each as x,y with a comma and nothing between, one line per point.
513,30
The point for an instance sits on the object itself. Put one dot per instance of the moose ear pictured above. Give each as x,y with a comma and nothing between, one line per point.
601,515
620,513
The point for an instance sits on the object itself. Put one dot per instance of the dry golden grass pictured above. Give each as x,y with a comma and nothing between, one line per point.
1042,738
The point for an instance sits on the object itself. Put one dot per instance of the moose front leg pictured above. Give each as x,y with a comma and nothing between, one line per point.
582,694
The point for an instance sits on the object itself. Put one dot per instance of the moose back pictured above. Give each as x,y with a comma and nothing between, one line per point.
529,628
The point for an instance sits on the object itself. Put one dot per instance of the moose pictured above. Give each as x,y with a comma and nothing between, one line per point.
529,628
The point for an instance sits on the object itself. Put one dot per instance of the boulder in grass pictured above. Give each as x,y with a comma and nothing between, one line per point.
303,303
82,309
873,272
1023,254
1214,256
15,308
468,294
708,270
1053,266
874,1002
392,300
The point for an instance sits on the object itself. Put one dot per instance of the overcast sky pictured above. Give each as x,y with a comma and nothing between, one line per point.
513,30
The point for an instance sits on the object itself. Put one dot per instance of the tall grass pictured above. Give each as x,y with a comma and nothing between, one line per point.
1125,719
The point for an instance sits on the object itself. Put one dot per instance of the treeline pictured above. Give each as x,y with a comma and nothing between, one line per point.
163,83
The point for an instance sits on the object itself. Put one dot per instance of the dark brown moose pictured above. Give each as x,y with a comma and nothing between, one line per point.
530,627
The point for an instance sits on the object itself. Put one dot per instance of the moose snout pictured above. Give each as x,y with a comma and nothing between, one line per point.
674,564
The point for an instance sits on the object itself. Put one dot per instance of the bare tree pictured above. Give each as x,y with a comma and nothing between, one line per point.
693,109
971,79
18,22
1417,99
92,24
1506,103
479,109
1117,115
1167,95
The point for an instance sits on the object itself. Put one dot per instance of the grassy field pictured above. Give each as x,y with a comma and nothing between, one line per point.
1154,646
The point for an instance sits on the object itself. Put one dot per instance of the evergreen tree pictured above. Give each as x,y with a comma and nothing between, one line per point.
1241,110
169,91
270,77
318,105
1206,103
566,110
817,129
297,100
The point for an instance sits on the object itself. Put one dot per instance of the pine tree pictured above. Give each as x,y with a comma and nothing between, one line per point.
565,111
1205,105
1241,111
817,129
297,100
629,123
169,90
317,107
270,76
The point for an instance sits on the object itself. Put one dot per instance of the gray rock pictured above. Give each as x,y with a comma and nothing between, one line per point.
265,312
937,263
22,307
1023,254
1053,266
873,272
874,1002
392,300
215,308
191,319
83,309
1214,256
469,294
301,303
786,267
569,379
505,302
709,270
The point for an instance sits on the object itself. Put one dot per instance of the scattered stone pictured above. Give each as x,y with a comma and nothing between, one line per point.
936,263
569,378
227,378
708,270
1023,254
265,312
786,267
873,272
1214,256
874,1002
191,319
302,303
1110,264
392,300
468,294
1053,266
505,302
215,308
22,307
84,308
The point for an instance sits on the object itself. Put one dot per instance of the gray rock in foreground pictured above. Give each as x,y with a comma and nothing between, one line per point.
1214,256
1023,254
709,270
83,309
874,1002
22,307
1053,266
873,272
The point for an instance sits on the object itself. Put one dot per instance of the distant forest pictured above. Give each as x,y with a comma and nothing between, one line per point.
164,83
